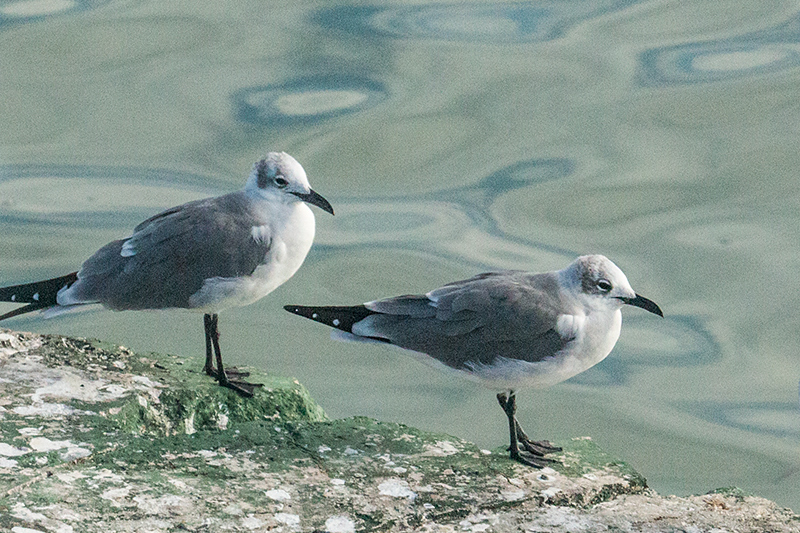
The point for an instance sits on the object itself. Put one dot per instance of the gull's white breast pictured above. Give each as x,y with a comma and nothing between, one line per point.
291,233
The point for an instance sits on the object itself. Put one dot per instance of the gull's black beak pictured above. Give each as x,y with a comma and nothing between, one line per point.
644,303
315,199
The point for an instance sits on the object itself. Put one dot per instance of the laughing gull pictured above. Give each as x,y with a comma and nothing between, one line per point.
207,255
506,330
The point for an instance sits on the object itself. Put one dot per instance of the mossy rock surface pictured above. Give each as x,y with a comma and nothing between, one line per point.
96,438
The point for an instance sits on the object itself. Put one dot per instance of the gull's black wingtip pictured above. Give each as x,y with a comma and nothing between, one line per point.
300,310
38,295
340,317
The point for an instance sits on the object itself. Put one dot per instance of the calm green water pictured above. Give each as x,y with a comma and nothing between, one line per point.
451,138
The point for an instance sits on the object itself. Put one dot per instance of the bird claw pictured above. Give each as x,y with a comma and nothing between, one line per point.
242,387
534,462
234,373
538,448
230,379
536,451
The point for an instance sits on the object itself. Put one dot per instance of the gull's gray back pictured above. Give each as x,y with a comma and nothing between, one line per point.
511,314
169,256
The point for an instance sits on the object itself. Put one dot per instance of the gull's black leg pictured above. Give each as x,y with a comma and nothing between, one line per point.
517,436
509,406
210,323
212,341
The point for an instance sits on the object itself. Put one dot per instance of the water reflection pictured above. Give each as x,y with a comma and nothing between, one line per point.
495,22
752,54
306,100
451,223
480,196
775,418
91,196
22,11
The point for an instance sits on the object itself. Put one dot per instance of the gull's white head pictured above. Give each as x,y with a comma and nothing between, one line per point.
278,177
600,285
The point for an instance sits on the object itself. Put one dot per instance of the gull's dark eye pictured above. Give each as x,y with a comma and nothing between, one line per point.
604,285
280,181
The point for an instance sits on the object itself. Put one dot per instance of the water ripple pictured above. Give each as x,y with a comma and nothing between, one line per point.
506,22
23,11
752,54
307,99
91,196
775,418
452,223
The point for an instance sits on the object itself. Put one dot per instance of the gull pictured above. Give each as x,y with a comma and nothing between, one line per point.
206,256
506,330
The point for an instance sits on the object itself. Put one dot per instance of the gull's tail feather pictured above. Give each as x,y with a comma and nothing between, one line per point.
38,295
339,317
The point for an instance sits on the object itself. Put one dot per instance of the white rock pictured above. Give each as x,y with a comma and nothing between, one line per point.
279,495
291,520
396,488
339,524
12,451
43,444
7,463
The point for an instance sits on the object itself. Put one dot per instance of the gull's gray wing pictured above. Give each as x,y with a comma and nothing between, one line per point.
170,255
468,323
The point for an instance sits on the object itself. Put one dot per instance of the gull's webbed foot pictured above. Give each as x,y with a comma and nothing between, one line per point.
536,449
230,379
